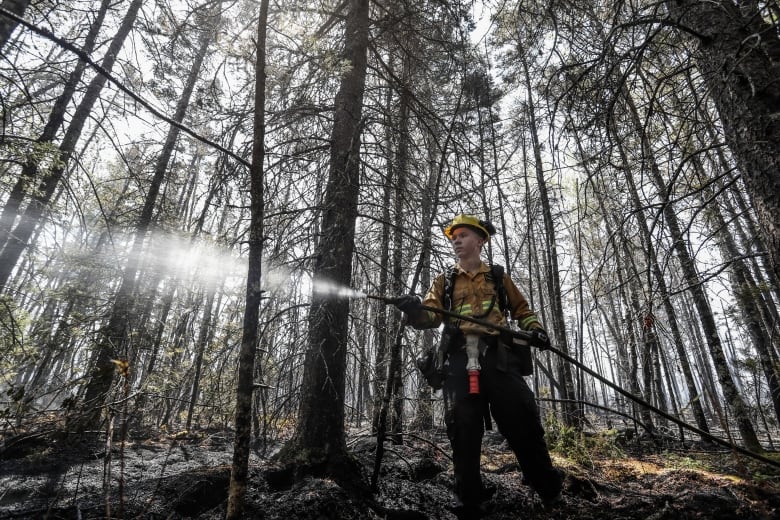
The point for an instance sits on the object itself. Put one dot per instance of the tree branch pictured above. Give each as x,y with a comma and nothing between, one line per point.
108,75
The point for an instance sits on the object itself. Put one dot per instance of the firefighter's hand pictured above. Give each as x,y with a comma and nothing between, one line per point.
540,339
408,304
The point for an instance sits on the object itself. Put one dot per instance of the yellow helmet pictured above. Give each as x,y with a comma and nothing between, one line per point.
482,227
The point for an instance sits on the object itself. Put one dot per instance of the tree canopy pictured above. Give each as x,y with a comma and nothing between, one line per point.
627,153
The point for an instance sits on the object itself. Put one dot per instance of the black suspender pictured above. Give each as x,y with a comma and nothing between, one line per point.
497,275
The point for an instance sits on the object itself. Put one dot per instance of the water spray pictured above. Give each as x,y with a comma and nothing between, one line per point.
339,291
521,337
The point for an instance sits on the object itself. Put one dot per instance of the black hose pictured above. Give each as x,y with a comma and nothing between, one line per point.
527,336
698,431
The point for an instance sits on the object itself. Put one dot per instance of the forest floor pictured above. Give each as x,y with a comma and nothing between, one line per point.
186,476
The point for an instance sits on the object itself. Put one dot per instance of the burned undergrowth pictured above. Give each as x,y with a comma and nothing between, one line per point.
186,476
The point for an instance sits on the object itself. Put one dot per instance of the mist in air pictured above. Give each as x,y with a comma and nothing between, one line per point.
325,287
203,259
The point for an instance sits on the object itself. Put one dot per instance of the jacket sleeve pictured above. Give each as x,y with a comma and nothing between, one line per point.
519,307
433,298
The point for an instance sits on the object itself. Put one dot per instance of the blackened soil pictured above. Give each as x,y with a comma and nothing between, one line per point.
186,476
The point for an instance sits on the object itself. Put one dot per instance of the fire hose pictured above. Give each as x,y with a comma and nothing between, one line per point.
526,336
519,334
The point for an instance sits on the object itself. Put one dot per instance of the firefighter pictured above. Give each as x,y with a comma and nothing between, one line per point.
478,356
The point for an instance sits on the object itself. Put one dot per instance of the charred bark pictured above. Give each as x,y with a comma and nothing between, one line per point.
249,337
320,437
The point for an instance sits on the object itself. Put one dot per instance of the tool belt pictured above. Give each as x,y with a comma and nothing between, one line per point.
431,363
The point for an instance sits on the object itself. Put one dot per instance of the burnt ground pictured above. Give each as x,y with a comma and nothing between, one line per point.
186,476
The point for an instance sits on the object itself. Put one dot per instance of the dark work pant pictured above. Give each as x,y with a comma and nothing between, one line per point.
513,407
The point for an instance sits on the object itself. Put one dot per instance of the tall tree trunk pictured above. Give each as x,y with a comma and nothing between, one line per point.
18,238
320,436
381,311
424,416
400,202
572,415
111,344
254,293
734,399
362,389
738,56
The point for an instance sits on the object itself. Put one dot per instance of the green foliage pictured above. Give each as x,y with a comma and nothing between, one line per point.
761,472
682,461
581,447
12,356
45,155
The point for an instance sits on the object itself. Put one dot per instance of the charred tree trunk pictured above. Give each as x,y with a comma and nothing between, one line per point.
424,416
254,293
381,333
320,437
400,202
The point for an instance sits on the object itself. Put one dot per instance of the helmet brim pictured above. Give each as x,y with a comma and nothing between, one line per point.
478,229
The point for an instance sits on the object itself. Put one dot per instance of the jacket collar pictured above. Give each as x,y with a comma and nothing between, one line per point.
483,268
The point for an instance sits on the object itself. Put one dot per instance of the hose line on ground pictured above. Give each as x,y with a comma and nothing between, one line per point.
523,335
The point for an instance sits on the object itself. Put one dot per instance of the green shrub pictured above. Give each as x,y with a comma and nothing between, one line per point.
579,446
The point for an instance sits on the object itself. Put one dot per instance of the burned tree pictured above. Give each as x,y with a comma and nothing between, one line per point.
320,436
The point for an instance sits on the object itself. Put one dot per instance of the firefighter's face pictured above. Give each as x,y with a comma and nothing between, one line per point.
466,242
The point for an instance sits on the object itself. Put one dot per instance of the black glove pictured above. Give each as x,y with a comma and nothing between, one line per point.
408,303
540,339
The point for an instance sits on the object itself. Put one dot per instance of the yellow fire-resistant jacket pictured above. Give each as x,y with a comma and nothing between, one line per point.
471,297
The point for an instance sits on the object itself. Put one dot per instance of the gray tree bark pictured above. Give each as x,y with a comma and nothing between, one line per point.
320,436
249,339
